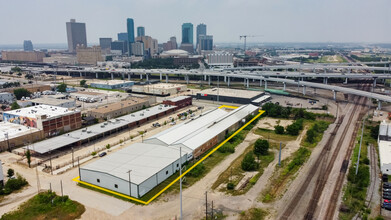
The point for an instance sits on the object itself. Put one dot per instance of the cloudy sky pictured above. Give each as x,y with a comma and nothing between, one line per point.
43,21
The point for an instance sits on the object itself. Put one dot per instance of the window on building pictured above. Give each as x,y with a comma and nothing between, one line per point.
98,180
167,172
116,186
177,165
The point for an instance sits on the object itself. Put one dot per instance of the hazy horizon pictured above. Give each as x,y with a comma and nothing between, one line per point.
279,21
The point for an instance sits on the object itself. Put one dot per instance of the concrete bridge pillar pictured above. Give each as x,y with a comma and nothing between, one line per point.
349,70
225,78
304,90
166,78
128,76
161,76
325,70
244,81
204,77
314,90
81,74
260,83
112,76
69,73
346,80
247,83
147,76
141,76
334,95
209,80
302,78
325,80
284,86
228,81
378,104
374,82
96,75
265,84
187,79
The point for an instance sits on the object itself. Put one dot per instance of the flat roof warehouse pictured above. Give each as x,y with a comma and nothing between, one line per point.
84,135
157,158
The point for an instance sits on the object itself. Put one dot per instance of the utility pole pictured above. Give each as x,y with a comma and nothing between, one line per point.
212,211
73,165
359,150
218,87
78,167
38,183
8,141
130,185
206,205
180,181
62,192
279,156
51,168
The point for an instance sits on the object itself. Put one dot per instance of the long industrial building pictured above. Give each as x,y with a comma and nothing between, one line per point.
384,142
140,167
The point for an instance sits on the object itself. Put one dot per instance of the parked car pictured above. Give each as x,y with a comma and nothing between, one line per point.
102,154
388,197
385,178
172,123
386,190
387,201
386,186
386,206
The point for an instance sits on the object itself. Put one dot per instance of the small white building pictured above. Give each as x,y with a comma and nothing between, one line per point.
385,157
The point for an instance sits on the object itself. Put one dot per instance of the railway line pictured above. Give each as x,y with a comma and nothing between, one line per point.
326,165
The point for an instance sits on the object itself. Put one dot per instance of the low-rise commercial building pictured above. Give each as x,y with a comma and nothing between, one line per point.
229,95
65,103
161,89
137,169
51,119
61,59
112,84
384,143
119,108
223,60
24,56
180,101
14,135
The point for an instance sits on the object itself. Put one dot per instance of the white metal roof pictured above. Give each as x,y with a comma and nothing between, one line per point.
14,130
383,129
145,160
91,131
34,111
180,131
195,140
261,99
51,101
385,152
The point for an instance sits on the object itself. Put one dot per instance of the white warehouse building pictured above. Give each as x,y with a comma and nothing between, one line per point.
140,167
384,143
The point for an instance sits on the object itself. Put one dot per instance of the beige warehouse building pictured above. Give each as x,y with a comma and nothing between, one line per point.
25,56
119,108
162,89
89,55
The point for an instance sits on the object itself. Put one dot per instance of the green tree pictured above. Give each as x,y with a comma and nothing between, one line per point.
16,69
10,172
311,136
29,76
248,162
62,87
261,147
83,82
278,129
15,105
28,156
375,131
22,92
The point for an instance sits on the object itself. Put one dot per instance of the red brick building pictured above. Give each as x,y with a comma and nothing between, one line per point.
180,101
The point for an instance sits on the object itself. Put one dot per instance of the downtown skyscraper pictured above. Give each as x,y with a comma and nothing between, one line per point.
187,33
130,29
140,31
76,34
201,30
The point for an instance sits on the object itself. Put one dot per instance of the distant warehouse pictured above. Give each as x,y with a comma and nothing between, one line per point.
229,95
112,84
119,108
384,142
180,101
138,168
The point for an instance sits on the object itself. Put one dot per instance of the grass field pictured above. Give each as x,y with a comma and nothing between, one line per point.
47,205
272,136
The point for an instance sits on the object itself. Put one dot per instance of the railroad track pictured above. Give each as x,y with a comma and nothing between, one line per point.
326,167
332,204
374,172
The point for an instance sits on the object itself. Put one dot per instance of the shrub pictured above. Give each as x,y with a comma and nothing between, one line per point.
10,172
230,186
248,162
197,171
93,153
278,129
15,184
108,145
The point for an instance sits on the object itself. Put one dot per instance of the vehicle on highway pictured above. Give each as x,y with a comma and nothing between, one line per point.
102,154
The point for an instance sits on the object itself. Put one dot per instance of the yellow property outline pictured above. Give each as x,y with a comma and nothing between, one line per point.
76,179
